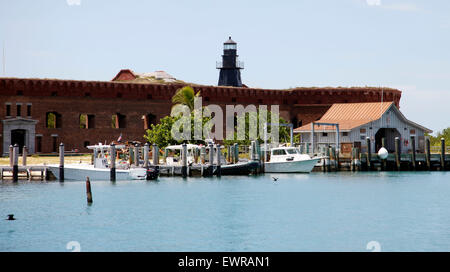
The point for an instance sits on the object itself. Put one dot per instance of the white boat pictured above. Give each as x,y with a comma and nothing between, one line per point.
173,157
289,160
100,170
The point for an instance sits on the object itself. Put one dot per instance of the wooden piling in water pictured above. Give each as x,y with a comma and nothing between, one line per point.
383,161
61,162
397,153
203,154
155,154
369,154
15,155
136,155
146,151
24,156
184,160
236,153
442,154
211,159
112,167
88,191
11,157
218,166
428,153
413,154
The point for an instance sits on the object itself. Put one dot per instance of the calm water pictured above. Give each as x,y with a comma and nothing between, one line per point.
316,212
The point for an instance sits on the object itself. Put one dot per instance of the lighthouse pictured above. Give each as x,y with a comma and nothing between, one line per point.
230,67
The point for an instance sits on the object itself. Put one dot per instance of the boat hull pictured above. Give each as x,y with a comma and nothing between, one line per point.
80,173
301,166
245,168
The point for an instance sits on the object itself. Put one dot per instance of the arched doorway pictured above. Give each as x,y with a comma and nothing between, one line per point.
18,137
389,134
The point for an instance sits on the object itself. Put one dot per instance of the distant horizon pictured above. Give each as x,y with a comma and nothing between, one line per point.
399,44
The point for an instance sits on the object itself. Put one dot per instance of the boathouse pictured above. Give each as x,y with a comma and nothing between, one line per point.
358,121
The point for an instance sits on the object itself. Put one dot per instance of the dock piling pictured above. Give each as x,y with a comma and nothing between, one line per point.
88,191
24,156
61,162
15,155
383,161
218,166
203,154
413,154
397,153
136,155
369,154
211,158
442,154
236,153
113,162
184,160
155,155
11,157
146,151
428,153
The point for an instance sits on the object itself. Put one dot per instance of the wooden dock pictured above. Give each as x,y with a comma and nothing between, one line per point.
37,172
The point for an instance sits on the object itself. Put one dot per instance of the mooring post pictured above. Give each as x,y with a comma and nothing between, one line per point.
88,191
202,154
211,159
397,152
146,151
369,155
61,162
357,159
251,151
236,153
413,154
136,155
131,156
11,157
218,166
112,167
352,160
184,160
442,154
428,153
327,160
15,155
383,161
155,154
24,156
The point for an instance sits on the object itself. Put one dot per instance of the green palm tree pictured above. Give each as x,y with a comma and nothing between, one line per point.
185,96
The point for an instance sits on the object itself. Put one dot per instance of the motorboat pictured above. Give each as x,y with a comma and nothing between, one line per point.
100,169
289,160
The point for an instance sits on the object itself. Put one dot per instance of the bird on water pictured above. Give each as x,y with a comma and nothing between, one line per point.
11,217
274,178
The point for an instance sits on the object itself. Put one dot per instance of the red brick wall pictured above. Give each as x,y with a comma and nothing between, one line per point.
103,99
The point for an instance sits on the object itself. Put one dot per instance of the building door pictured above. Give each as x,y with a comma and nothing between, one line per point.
18,137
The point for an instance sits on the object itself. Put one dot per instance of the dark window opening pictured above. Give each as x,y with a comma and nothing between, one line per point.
20,93
19,110
324,134
54,144
149,120
149,96
118,121
28,110
53,120
86,144
285,101
300,123
8,110
260,101
206,99
54,94
38,144
345,134
233,99
119,95
87,94
87,121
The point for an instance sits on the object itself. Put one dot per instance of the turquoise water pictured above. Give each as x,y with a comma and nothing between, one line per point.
317,212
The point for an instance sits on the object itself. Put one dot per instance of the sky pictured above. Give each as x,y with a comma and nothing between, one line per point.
402,44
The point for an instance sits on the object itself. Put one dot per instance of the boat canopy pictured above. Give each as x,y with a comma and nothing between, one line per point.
104,147
180,147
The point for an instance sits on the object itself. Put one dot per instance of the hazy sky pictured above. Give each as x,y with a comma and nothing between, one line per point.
403,44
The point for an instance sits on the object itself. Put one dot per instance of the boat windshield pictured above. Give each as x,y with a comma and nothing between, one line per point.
291,151
277,152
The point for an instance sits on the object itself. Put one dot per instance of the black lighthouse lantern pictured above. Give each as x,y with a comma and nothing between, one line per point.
230,67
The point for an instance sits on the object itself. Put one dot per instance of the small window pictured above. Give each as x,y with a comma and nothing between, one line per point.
8,110
362,131
118,121
87,94
233,99
119,95
53,120
345,134
19,110
86,144
405,129
285,101
54,144
324,134
87,121
260,101
412,132
206,99
149,96
28,110
362,137
19,93
149,120
278,152
54,94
